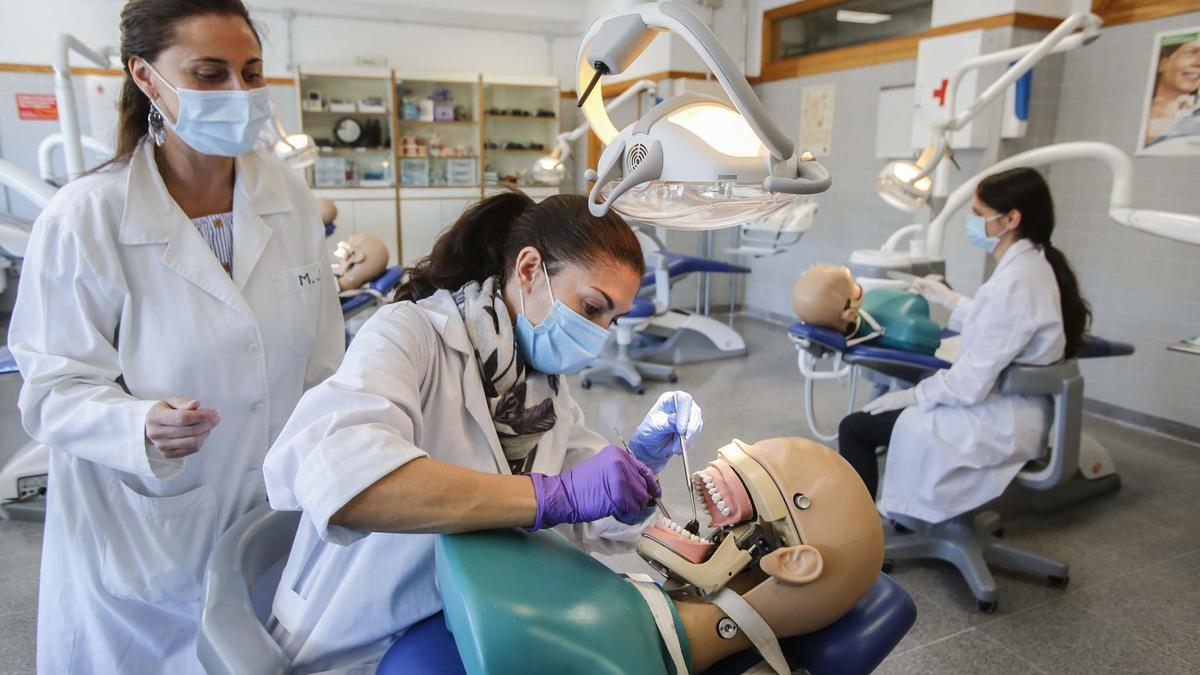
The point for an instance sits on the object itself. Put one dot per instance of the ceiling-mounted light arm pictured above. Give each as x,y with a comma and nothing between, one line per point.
614,42
1062,39
1176,226
64,95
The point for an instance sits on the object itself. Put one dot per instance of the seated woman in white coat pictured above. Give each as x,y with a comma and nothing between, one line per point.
450,414
173,307
953,443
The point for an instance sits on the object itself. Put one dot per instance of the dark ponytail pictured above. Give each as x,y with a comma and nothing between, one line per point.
148,28
486,239
1025,190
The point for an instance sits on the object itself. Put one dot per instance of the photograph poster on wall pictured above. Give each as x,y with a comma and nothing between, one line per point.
1171,113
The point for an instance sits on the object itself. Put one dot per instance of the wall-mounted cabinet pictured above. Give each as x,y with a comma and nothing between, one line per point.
350,117
403,153
520,124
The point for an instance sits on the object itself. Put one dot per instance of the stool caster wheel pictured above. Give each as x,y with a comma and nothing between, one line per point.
586,384
888,565
639,391
1059,582
988,607
672,378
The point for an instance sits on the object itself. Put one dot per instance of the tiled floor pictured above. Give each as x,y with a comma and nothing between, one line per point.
1135,555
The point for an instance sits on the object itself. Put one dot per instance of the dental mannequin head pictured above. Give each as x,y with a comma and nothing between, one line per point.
797,534
204,46
827,295
593,265
329,210
361,258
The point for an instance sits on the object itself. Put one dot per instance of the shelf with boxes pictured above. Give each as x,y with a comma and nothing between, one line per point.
349,116
403,153
520,124
438,143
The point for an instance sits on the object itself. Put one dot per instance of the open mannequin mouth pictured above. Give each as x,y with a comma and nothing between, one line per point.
672,535
722,497
722,494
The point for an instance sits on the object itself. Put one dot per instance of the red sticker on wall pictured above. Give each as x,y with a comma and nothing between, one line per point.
37,107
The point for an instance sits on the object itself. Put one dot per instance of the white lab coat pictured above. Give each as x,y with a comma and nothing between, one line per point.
409,387
962,444
122,304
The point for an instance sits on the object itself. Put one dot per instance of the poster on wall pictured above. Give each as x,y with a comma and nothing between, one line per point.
1171,112
816,119
41,107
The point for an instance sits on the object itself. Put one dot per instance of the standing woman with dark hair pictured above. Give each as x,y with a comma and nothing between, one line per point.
953,443
450,413
173,307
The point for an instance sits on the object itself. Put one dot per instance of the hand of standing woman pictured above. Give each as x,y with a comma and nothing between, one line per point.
178,426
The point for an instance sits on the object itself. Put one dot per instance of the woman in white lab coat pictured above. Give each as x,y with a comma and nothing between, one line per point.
174,306
953,443
440,404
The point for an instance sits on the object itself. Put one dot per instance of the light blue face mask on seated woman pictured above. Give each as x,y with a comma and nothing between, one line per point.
977,232
221,122
564,342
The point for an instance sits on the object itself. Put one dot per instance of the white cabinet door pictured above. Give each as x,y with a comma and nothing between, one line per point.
452,209
420,222
377,217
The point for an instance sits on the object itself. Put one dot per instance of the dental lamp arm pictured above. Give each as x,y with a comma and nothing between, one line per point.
64,93
1063,38
615,41
1175,226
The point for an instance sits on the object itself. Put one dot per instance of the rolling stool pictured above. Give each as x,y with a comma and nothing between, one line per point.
622,366
970,540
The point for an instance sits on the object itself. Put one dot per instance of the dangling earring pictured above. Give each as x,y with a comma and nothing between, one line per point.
154,124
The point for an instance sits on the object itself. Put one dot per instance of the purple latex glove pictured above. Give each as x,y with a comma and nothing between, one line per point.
612,483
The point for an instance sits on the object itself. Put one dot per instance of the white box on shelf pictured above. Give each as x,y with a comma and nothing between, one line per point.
339,105
414,171
329,172
461,171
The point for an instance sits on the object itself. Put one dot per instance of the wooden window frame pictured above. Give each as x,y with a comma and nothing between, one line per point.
901,48
1116,12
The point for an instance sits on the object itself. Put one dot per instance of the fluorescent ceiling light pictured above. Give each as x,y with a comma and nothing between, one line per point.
849,16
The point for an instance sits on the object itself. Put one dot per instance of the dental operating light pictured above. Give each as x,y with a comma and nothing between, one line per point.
1174,226
551,169
907,185
691,162
295,150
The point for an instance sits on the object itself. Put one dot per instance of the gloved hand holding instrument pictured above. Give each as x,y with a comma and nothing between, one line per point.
612,483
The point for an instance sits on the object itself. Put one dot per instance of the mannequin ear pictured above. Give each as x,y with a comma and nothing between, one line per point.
850,316
794,564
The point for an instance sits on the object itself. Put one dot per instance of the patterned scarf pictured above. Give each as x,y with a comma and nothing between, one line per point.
508,385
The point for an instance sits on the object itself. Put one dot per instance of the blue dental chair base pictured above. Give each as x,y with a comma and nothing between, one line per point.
856,643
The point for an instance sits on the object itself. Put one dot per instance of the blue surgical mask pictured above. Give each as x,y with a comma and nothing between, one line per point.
222,122
977,232
564,342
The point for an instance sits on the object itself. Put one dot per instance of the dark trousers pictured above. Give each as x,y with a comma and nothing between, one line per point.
859,434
